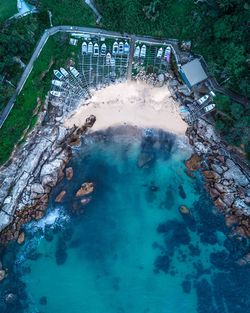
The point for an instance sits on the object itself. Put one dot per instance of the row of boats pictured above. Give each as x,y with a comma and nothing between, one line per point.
141,52
96,50
61,75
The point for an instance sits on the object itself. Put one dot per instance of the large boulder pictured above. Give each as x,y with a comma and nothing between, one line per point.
236,174
85,189
194,162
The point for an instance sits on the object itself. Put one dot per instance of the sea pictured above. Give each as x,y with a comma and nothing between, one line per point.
148,239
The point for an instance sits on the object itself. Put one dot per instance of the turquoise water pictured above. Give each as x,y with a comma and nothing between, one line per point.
129,250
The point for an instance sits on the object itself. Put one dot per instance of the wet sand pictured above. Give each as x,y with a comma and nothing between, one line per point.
131,103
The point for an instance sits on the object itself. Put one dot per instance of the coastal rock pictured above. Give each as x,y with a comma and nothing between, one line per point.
184,210
231,220
85,189
21,238
222,189
10,298
2,274
60,197
216,168
220,204
69,173
228,198
201,148
194,162
210,175
235,174
245,260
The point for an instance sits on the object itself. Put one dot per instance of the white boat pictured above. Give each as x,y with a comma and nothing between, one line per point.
90,47
96,49
84,48
58,74
143,51
108,58
57,83
137,52
55,93
64,72
115,48
121,47
159,53
112,62
103,49
126,48
209,107
74,71
167,54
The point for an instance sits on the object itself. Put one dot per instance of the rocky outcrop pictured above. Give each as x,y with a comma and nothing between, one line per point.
69,173
60,197
34,168
227,179
85,189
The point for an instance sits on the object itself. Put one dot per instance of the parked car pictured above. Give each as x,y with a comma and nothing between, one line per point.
209,107
203,99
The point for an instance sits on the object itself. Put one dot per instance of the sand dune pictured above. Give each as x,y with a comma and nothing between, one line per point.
131,103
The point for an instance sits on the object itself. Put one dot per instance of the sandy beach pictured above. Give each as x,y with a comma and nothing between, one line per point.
131,103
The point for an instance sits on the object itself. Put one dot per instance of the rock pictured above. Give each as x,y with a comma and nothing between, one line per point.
144,159
201,148
10,298
85,189
222,189
245,260
184,210
241,206
228,198
220,204
216,168
21,238
69,173
193,163
2,274
235,174
231,220
214,193
90,121
60,197
210,175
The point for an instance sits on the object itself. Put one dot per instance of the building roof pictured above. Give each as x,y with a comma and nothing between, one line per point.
194,72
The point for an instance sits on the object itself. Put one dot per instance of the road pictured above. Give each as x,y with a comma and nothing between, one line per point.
104,33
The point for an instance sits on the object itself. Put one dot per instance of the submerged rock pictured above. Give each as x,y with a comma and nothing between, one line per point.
145,159
60,197
21,238
85,189
69,173
184,210
2,274
194,162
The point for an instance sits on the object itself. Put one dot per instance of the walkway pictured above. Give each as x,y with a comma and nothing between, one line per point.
104,33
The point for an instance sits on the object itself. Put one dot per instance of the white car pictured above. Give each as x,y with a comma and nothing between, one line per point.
203,99
209,107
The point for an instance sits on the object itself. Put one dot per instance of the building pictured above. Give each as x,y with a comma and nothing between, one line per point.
192,73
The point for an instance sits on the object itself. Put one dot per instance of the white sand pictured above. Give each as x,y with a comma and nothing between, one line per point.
131,103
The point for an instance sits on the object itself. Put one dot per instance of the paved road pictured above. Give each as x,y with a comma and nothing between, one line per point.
104,33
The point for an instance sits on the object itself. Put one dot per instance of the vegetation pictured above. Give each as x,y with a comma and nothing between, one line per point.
54,54
7,9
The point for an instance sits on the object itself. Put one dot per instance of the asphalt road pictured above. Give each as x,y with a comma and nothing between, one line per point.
104,33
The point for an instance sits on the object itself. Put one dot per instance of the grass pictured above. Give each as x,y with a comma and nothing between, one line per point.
38,84
69,12
7,9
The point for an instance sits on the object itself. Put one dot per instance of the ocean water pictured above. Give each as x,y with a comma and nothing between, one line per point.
129,250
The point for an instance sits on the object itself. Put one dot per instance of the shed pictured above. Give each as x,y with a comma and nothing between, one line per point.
193,73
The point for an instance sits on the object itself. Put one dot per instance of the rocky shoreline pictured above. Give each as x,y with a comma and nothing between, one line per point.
226,181
35,168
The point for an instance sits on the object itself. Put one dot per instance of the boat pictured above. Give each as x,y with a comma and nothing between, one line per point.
57,83
115,48
64,72
103,49
74,71
90,47
137,52
167,54
108,58
58,74
55,93
96,49
84,48
143,51
121,47
126,48
159,53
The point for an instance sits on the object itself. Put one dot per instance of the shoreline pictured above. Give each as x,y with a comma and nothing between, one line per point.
41,160
131,103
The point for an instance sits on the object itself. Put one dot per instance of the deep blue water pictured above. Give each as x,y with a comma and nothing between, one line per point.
129,250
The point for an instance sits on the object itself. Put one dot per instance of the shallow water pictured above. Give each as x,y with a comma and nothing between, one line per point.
129,250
